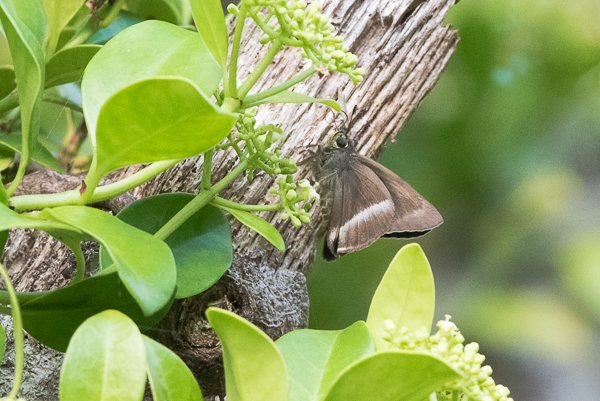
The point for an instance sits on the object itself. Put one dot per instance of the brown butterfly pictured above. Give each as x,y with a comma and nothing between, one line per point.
367,201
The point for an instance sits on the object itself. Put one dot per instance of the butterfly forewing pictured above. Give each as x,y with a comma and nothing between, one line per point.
414,214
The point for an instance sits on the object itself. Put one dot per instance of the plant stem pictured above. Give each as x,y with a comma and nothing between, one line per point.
231,88
18,335
104,192
455,395
80,263
112,14
276,46
201,200
207,169
63,102
256,98
218,201
23,297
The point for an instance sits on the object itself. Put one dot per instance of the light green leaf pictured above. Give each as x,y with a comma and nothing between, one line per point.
406,295
173,11
7,155
201,246
210,22
144,262
170,378
68,64
315,358
174,121
293,97
260,225
7,80
3,194
392,376
105,361
58,15
24,23
39,155
254,367
146,50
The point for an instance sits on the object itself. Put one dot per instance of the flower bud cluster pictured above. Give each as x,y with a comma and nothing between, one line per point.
297,199
447,344
303,25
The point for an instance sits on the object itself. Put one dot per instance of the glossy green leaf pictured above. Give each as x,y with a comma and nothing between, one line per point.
53,317
105,361
58,15
392,376
315,358
405,295
144,263
24,23
149,49
201,246
40,154
174,121
260,225
170,378
293,97
7,80
254,367
210,22
173,11
2,342
7,156
11,219
68,64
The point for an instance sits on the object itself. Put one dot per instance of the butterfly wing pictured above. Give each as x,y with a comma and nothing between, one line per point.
414,215
362,210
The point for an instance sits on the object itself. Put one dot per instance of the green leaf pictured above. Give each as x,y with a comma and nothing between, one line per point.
392,376
170,378
68,64
201,246
105,361
23,23
315,358
124,20
53,317
173,11
254,367
144,262
3,194
11,219
210,22
293,97
405,295
261,226
58,15
149,49
7,80
7,156
40,154
174,121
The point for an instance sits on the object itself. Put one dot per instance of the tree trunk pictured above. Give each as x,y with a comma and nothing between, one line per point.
404,46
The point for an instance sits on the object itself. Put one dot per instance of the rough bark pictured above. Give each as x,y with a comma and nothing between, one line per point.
404,46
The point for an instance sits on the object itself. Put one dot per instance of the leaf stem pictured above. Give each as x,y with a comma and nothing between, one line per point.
102,193
218,201
250,100
259,70
80,263
18,335
207,169
231,88
201,200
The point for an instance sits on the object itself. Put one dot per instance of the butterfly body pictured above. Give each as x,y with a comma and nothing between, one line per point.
367,201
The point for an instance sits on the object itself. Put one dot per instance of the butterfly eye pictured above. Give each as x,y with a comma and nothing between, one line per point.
341,141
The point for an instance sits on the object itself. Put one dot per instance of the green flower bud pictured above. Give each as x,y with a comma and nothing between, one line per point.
233,9
291,195
296,221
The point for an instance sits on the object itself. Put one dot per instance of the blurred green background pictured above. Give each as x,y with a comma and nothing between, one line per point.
507,146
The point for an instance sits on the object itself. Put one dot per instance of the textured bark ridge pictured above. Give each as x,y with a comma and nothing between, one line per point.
404,46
